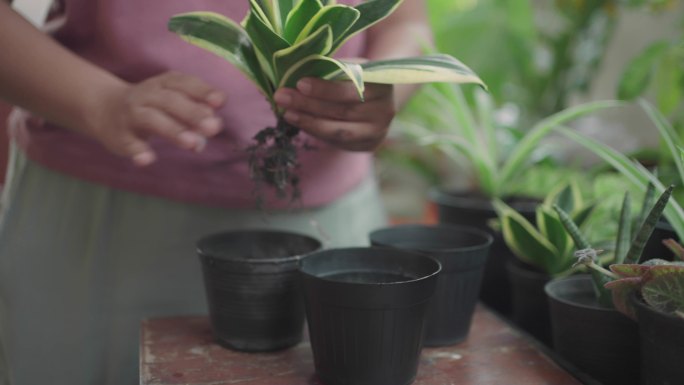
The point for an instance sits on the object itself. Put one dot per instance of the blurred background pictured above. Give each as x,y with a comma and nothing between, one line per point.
539,57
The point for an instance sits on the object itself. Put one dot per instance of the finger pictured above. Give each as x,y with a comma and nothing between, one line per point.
154,121
293,100
194,115
352,136
194,87
341,91
134,148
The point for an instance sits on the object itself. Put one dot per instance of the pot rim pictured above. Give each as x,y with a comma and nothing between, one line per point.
639,302
488,238
578,277
373,284
473,199
290,258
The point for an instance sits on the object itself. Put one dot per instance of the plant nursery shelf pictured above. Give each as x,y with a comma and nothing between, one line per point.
181,350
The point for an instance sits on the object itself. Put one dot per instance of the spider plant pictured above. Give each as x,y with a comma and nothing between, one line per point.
639,175
445,121
282,41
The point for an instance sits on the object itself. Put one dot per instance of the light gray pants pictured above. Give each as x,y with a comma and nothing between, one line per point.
82,264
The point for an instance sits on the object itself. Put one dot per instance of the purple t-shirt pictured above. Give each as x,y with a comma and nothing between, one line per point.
130,39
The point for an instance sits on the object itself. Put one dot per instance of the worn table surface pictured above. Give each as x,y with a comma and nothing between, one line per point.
181,351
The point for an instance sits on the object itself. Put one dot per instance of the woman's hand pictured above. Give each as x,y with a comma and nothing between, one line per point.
331,111
177,107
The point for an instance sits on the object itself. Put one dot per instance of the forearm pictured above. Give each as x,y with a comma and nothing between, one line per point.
404,33
38,74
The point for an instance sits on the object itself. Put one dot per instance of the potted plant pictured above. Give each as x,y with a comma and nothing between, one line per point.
497,157
587,330
640,176
543,251
651,292
282,41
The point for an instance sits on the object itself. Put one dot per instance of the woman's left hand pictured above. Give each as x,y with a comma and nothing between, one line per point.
332,111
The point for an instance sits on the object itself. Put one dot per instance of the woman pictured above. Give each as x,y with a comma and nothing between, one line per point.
132,150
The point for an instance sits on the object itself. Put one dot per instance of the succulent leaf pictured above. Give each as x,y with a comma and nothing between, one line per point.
423,69
624,234
646,229
339,17
319,43
304,11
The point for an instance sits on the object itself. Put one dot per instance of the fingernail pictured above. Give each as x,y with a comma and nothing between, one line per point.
215,98
143,158
201,144
291,117
211,125
188,139
304,86
283,99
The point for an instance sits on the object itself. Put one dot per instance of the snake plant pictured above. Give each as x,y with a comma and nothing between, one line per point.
282,41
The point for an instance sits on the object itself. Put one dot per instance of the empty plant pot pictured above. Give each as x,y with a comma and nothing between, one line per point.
462,252
252,290
366,310
599,341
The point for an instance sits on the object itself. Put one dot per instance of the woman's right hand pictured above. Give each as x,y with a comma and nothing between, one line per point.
177,107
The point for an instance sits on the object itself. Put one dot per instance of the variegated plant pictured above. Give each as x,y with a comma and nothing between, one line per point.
547,245
282,41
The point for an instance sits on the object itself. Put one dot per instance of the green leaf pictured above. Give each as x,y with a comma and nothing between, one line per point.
646,204
665,293
553,230
324,67
572,229
668,134
624,235
638,73
339,17
582,215
524,240
371,12
284,8
318,43
669,82
266,41
646,229
522,152
224,38
633,171
260,10
300,15
423,69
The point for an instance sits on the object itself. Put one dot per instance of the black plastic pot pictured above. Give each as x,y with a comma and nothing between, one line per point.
462,252
600,342
530,306
473,210
366,311
662,346
250,279
654,246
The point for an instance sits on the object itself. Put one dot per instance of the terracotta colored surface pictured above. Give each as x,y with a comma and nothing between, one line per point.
181,351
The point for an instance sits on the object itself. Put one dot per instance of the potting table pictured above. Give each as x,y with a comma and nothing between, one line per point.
181,351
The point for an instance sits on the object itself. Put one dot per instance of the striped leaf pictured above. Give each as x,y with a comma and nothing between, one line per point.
425,69
339,17
665,292
323,67
299,17
646,229
266,42
318,43
223,37
521,154
255,7
646,204
552,229
633,171
624,235
371,12
524,239
669,135
572,229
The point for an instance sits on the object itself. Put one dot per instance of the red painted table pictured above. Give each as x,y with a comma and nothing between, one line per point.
181,351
